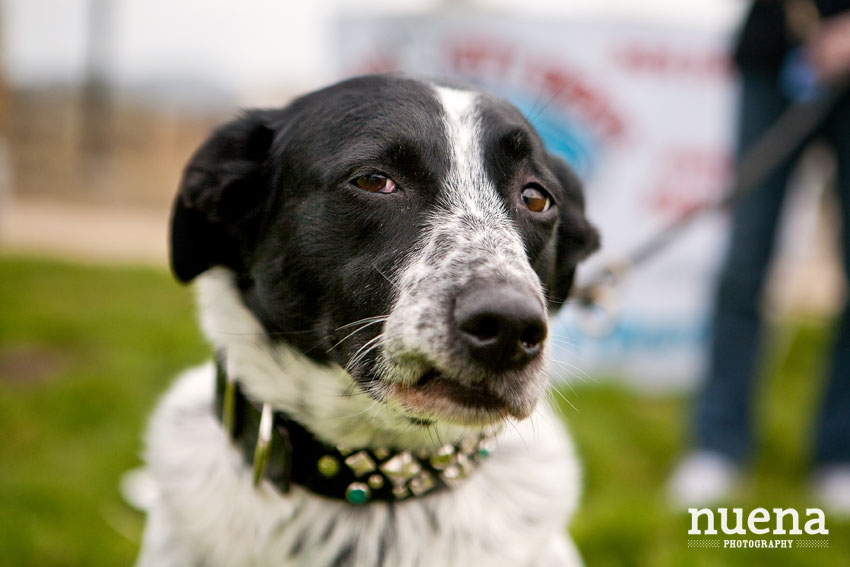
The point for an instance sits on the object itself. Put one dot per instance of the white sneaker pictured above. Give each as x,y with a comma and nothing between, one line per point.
702,478
831,487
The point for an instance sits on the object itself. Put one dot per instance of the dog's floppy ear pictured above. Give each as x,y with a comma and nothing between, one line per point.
221,193
577,238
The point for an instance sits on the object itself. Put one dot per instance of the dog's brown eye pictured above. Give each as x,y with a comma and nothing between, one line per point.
536,200
374,183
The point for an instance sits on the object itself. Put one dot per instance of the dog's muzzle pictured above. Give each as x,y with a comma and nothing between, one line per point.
486,363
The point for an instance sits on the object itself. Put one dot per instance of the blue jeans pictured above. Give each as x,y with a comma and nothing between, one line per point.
724,408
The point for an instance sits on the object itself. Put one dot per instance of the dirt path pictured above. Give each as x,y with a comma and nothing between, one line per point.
83,232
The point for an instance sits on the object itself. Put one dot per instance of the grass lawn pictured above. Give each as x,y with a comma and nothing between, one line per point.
86,351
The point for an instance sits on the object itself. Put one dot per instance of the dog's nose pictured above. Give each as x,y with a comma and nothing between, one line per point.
502,326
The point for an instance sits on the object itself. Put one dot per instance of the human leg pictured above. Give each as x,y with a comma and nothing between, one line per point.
832,443
831,478
722,427
723,418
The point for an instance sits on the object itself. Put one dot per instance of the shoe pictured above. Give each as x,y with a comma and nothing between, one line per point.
831,488
702,478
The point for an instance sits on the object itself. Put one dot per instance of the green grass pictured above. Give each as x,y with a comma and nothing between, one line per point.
85,352
628,445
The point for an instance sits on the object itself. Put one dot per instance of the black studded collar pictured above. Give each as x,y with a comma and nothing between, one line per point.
285,453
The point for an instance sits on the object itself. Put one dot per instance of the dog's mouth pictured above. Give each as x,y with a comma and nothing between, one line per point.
440,396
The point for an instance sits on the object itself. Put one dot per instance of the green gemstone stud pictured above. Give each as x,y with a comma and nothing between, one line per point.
358,493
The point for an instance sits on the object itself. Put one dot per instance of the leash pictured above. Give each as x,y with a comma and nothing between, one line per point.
783,137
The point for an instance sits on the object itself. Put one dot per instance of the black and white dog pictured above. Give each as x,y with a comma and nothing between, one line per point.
374,266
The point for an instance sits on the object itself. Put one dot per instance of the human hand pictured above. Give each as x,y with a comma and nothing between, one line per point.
829,50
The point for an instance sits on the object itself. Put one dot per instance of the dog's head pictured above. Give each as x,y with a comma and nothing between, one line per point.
413,234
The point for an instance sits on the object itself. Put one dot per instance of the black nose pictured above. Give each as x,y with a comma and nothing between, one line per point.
502,326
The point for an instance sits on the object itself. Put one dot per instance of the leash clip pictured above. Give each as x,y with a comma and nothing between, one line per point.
598,301
228,408
264,437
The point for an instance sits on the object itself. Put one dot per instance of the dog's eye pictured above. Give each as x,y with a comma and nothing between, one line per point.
536,199
374,183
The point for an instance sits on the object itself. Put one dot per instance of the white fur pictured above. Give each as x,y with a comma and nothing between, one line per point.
484,247
512,511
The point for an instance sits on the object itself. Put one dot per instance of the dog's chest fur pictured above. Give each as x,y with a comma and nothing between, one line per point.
357,315
510,512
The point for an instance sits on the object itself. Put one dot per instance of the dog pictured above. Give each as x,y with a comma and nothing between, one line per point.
375,264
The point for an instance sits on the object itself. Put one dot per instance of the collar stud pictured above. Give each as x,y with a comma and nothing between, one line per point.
358,493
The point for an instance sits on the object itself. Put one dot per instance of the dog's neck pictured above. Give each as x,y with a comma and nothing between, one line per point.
283,452
323,399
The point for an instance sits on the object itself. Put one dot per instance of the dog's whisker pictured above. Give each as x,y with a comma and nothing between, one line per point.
534,113
565,372
401,433
550,399
368,345
368,410
533,421
383,275
363,352
561,340
352,390
261,334
354,332
566,400
574,371
432,437
564,383
440,441
575,348
376,318
368,351
510,421
560,409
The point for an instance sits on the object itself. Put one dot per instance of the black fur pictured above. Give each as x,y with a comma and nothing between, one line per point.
269,196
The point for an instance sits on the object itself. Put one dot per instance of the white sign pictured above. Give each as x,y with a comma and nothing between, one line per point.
643,113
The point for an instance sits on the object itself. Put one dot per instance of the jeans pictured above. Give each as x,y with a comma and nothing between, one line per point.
723,418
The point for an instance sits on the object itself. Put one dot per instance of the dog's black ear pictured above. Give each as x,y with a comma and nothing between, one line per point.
222,191
577,238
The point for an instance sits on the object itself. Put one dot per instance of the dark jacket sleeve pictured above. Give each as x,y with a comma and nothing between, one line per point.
764,39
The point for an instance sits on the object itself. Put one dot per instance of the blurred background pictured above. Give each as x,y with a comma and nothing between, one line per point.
103,101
